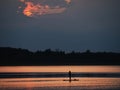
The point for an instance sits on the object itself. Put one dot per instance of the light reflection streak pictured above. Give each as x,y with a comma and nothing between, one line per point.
84,83
106,69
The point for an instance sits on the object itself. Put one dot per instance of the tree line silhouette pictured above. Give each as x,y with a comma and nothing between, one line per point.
23,57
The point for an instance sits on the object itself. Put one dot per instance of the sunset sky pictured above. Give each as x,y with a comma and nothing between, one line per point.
60,24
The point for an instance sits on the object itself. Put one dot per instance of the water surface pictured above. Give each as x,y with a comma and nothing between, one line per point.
113,69
53,78
59,84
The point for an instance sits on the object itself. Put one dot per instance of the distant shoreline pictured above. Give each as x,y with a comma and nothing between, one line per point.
56,75
22,57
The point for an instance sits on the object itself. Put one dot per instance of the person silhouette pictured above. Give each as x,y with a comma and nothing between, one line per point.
69,73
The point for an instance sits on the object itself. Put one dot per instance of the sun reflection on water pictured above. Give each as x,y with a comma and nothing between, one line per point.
113,69
83,83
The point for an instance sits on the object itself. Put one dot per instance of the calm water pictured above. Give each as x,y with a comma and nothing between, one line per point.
39,78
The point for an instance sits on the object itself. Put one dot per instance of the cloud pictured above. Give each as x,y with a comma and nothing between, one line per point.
22,0
68,1
33,9
38,9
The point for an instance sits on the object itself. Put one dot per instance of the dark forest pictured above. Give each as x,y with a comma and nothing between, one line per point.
23,57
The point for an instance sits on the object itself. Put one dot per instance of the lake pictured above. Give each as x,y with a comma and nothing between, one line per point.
56,78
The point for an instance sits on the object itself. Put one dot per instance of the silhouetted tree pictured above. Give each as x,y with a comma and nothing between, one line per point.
13,56
88,51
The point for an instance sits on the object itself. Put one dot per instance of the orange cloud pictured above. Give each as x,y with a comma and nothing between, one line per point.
22,0
28,10
32,10
68,1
